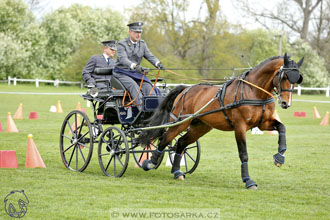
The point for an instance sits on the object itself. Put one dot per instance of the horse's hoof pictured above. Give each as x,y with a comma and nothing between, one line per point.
179,175
250,184
277,163
147,165
278,159
253,187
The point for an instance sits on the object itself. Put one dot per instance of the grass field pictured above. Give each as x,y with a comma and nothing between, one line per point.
298,190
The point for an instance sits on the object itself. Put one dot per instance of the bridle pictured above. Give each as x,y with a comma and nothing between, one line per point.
280,73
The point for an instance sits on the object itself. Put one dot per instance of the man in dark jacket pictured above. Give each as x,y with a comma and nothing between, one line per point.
128,69
100,61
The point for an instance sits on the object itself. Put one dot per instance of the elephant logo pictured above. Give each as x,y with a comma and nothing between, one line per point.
16,204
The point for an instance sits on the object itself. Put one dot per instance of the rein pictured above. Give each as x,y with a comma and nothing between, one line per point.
155,82
265,91
132,101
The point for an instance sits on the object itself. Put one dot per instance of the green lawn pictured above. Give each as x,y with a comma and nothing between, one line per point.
298,190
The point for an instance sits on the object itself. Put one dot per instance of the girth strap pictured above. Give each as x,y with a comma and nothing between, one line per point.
222,93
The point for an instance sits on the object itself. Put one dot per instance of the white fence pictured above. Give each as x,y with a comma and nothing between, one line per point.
57,82
37,81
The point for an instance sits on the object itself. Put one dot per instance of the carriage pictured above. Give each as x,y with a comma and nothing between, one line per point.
114,128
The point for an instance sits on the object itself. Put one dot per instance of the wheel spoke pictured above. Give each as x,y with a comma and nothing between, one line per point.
82,144
76,157
114,166
76,124
119,161
80,127
70,128
67,137
71,157
190,156
106,142
87,132
108,163
187,148
118,141
68,148
82,155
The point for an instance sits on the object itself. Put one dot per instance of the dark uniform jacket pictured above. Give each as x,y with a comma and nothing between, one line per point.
128,54
96,61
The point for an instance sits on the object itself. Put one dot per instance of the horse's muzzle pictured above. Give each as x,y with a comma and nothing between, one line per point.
284,105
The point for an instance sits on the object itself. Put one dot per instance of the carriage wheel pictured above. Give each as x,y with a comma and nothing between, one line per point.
190,157
113,152
141,153
76,141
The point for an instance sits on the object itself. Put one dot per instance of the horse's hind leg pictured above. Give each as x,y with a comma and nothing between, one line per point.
240,135
196,130
163,142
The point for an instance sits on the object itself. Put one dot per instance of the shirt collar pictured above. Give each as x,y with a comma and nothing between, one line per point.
132,41
106,57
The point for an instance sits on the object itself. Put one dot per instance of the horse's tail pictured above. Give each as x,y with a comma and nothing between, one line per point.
160,116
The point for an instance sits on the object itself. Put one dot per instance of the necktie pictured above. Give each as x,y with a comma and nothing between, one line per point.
108,61
134,45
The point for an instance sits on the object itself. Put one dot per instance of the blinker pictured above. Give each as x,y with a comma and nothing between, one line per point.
294,76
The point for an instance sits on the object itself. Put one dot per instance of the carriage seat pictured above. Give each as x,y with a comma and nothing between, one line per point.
113,86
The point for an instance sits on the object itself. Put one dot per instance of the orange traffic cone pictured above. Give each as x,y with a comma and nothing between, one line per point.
325,120
1,130
78,107
277,117
59,107
11,127
146,155
33,158
8,159
19,112
316,113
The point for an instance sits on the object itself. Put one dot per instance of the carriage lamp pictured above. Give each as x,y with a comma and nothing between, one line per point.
93,92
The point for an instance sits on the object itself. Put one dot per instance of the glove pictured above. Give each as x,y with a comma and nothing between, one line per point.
141,69
161,66
90,85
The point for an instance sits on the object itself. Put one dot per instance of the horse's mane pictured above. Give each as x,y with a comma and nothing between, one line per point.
266,61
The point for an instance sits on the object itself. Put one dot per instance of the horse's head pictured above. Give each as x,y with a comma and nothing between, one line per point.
285,79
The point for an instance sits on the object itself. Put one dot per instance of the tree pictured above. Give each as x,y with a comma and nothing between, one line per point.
68,28
293,14
309,19
313,69
21,41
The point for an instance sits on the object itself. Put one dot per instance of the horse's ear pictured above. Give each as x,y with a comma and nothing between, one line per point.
286,60
300,62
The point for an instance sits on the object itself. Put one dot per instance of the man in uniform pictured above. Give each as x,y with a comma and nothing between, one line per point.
100,61
128,69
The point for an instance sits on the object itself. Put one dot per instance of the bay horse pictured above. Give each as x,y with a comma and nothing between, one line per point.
240,104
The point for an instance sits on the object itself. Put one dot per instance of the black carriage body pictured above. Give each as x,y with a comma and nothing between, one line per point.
110,100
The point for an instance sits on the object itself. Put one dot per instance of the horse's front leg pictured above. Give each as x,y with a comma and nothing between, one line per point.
279,157
240,135
276,125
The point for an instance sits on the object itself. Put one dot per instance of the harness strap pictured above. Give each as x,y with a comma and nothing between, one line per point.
241,103
262,114
221,98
